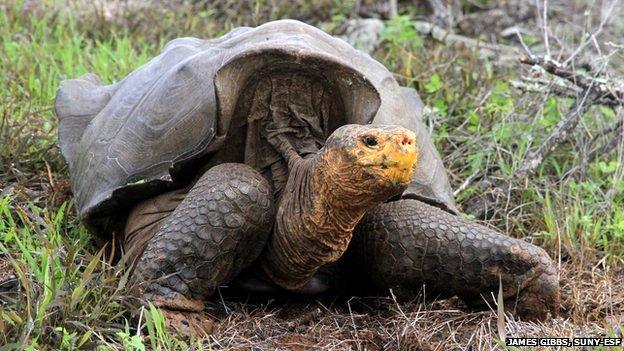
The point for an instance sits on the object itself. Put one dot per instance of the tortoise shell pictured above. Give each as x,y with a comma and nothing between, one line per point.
193,105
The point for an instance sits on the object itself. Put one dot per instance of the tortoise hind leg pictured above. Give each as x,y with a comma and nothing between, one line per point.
217,230
407,243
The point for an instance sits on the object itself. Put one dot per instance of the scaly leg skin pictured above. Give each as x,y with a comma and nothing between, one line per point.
407,243
217,230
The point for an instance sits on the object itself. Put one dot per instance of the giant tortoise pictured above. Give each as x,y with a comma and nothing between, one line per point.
279,158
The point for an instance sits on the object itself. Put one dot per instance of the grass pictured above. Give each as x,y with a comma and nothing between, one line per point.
73,294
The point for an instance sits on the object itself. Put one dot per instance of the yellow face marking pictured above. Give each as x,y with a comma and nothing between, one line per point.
395,154
402,168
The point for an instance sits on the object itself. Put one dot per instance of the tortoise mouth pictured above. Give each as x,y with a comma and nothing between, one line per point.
396,173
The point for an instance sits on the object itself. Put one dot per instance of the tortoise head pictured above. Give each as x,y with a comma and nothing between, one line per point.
376,161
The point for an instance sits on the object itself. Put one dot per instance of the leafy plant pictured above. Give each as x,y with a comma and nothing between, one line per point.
400,31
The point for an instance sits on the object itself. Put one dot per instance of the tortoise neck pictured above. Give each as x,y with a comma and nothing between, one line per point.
314,222
334,200
324,196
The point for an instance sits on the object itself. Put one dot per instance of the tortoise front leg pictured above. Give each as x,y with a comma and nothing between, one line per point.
407,243
218,230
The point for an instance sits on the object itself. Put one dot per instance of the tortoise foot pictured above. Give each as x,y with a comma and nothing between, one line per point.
166,298
217,230
540,295
407,244
184,316
188,323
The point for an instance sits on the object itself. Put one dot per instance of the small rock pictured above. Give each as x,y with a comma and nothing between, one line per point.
363,33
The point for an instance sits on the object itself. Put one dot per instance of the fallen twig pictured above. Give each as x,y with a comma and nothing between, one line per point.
561,133
540,85
594,90
611,144
504,54
604,89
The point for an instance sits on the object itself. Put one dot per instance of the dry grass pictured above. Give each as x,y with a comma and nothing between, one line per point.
591,307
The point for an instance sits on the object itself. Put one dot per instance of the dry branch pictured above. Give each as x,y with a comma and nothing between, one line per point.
595,90
562,131
611,144
604,89
559,88
503,54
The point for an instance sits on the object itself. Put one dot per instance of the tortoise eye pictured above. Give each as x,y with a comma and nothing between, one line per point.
370,141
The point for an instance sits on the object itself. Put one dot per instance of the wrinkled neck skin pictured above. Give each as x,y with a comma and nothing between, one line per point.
322,202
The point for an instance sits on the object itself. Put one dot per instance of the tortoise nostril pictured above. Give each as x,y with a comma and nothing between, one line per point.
406,141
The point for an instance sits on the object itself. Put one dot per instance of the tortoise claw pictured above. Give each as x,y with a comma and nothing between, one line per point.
540,297
173,300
